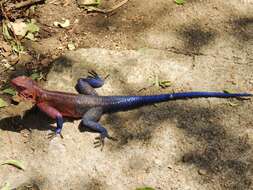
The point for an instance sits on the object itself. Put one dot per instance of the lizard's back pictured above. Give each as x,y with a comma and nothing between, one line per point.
73,105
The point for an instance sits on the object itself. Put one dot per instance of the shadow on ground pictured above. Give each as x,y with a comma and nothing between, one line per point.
221,155
242,28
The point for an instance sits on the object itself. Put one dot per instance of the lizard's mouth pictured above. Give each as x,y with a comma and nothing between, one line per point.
27,96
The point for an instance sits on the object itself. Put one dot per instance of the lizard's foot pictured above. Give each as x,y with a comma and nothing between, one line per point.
100,140
93,79
54,134
94,75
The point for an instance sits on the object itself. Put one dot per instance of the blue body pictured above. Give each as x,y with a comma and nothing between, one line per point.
117,103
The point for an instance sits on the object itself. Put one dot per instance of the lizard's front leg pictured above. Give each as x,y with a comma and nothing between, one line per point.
54,114
87,85
90,119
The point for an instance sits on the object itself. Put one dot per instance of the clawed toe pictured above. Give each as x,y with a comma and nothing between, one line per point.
106,76
112,138
92,74
100,141
54,134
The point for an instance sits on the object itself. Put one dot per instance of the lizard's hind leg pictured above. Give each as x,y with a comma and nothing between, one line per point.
87,85
90,120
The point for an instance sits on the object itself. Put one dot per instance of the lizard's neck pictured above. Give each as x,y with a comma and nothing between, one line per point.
39,93
48,95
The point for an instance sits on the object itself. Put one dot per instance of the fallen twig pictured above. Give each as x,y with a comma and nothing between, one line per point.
26,3
106,11
8,20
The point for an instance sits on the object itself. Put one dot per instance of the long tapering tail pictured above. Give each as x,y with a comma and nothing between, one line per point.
115,103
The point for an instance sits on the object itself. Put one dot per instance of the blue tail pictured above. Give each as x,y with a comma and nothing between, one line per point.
115,103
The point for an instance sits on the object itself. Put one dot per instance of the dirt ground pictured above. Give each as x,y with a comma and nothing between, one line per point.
192,144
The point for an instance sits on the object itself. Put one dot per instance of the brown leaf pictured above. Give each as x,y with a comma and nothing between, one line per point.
5,46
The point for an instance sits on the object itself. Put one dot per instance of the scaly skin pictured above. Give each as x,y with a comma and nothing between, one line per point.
89,106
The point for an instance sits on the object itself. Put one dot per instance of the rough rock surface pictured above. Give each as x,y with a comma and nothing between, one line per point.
185,144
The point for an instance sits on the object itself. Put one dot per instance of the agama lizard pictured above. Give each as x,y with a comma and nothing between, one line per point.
89,106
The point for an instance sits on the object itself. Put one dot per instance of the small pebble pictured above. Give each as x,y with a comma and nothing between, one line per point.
112,28
202,172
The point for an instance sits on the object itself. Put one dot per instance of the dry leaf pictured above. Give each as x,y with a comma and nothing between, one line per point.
18,164
64,24
3,103
19,27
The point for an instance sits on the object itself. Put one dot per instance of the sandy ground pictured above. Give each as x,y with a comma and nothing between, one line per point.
191,144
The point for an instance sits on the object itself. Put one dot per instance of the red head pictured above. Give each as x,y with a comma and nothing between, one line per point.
26,87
